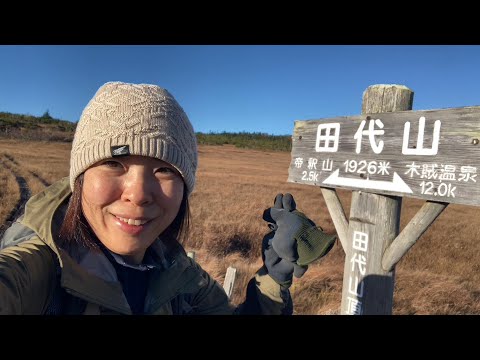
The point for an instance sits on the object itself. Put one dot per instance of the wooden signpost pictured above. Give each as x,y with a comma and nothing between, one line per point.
383,155
432,155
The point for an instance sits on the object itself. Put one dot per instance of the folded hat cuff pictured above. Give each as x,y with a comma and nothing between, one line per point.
85,157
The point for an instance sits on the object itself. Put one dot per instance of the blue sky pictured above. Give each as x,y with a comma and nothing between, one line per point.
258,88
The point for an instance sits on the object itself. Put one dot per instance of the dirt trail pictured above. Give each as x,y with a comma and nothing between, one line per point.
42,180
25,194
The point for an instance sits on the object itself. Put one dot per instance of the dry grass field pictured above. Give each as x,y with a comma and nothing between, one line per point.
439,275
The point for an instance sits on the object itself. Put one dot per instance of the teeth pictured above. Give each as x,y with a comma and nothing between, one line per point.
132,221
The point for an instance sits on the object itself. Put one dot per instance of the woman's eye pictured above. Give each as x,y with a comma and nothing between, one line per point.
112,164
166,170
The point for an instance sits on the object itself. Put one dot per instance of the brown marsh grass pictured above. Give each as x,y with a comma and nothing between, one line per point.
439,275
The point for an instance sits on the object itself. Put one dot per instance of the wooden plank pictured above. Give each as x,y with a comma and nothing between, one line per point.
229,281
337,214
373,224
411,233
337,153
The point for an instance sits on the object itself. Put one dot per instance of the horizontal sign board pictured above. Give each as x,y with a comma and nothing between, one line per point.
429,154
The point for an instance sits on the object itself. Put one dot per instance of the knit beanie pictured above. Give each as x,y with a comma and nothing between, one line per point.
134,119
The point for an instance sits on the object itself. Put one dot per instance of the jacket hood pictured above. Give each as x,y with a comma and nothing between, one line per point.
40,210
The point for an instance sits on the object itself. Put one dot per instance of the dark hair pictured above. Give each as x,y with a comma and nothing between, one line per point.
75,227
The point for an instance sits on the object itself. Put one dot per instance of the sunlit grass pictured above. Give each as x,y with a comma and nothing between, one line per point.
439,275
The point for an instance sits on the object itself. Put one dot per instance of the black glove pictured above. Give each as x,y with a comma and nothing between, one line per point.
296,238
279,269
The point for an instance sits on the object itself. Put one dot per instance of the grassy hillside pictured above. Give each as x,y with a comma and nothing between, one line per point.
28,127
46,128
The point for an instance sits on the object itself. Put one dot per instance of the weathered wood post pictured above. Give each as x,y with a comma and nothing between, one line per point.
229,282
374,223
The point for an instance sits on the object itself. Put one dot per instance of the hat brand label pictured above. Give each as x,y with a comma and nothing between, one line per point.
120,150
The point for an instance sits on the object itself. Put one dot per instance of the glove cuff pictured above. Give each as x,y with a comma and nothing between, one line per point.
284,283
313,243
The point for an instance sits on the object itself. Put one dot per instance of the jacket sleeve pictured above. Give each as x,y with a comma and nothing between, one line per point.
27,277
208,296
264,297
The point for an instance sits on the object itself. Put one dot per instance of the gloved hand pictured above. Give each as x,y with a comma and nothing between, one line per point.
294,242
279,269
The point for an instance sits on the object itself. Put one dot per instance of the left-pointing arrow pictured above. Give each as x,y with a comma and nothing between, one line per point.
397,184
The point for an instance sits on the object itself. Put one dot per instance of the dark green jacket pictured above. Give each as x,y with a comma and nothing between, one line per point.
36,275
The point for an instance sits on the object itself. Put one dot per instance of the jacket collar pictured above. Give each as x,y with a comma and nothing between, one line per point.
89,274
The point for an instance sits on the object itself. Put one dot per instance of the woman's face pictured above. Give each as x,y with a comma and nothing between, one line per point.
129,201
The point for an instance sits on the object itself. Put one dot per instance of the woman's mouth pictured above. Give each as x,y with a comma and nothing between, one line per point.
131,226
128,221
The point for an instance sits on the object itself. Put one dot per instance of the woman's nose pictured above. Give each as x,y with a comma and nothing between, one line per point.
138,189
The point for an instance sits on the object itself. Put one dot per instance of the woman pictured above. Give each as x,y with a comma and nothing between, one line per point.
107,239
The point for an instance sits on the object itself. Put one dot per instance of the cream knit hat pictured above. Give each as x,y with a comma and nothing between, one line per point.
134,119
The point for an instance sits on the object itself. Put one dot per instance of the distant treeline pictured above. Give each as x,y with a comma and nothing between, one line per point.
247,140
45,127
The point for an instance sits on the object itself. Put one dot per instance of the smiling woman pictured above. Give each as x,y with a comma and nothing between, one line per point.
129,201
107,239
